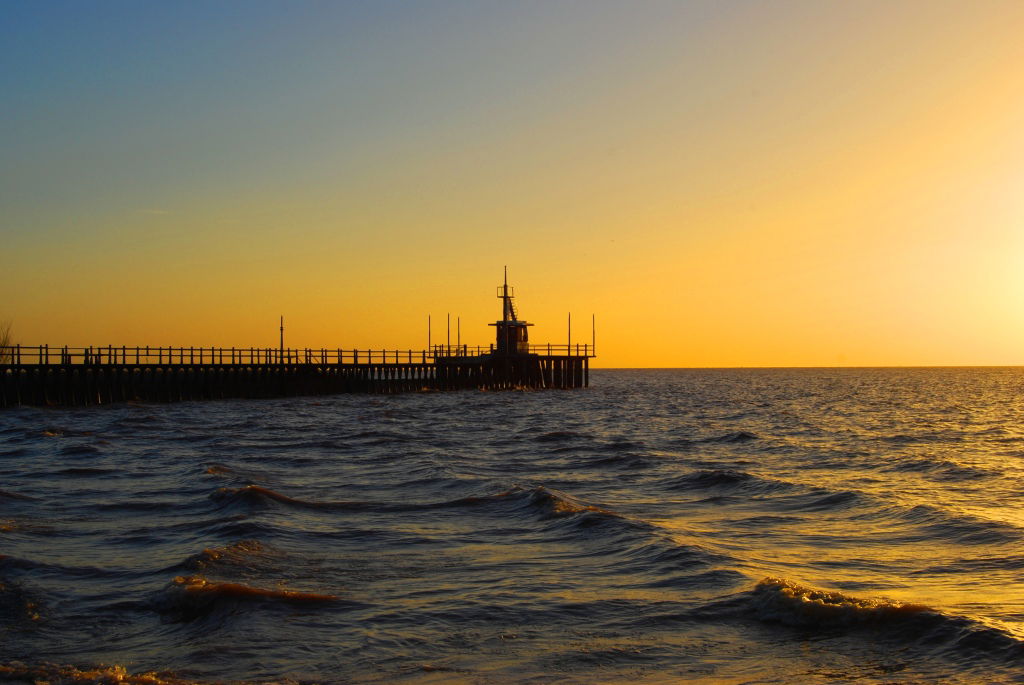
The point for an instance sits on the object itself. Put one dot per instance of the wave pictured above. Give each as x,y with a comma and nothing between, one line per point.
726,479
708,479
832,500
941,469
80,450
547,502
38,568
937,523
973,565
138,505
553,503
100,673
626,544
257,495
53,432
735,436
238,554
624,461
85,471
782,601
619,444
187,598
777,600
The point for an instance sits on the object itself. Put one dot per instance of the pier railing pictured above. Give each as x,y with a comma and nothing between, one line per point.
549,350
46,355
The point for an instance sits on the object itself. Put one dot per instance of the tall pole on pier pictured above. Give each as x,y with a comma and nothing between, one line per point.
448,338
593,334
281,348
458,332
568,346
429,331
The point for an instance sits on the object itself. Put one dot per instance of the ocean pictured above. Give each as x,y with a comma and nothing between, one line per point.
720,526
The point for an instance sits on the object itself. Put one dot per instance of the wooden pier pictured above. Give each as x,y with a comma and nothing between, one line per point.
52,376
45,376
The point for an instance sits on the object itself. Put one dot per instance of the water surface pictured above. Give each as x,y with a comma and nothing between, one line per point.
756,526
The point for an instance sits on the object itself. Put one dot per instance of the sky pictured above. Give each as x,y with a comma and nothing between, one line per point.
718,184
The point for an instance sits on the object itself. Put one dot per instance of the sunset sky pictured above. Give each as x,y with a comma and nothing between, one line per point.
720,183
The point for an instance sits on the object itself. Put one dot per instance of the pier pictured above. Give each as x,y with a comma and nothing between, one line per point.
64,376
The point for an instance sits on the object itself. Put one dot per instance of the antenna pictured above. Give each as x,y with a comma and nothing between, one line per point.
506,303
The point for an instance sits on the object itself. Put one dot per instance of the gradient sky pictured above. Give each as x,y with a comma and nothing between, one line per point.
721,183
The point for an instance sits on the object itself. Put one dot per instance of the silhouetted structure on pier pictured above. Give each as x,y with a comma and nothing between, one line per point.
45,376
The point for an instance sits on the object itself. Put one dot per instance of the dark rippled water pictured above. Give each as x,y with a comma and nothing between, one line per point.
718,525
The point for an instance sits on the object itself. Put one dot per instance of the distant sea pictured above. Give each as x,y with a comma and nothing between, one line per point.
726,526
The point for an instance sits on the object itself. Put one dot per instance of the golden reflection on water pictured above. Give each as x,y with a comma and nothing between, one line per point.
856,558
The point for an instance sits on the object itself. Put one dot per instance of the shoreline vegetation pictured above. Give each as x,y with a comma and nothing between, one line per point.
6,340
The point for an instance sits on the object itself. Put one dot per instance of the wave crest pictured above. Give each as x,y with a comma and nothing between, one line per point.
238,554
257,495
102,674
960,638
782,601
189,597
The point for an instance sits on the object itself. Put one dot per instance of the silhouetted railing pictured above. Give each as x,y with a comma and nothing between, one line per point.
575,350
21,355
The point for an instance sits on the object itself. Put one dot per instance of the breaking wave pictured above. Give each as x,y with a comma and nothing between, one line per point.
777,600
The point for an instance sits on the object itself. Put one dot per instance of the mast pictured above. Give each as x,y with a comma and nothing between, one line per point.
506,301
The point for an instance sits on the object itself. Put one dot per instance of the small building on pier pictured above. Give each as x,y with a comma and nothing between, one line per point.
512,362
